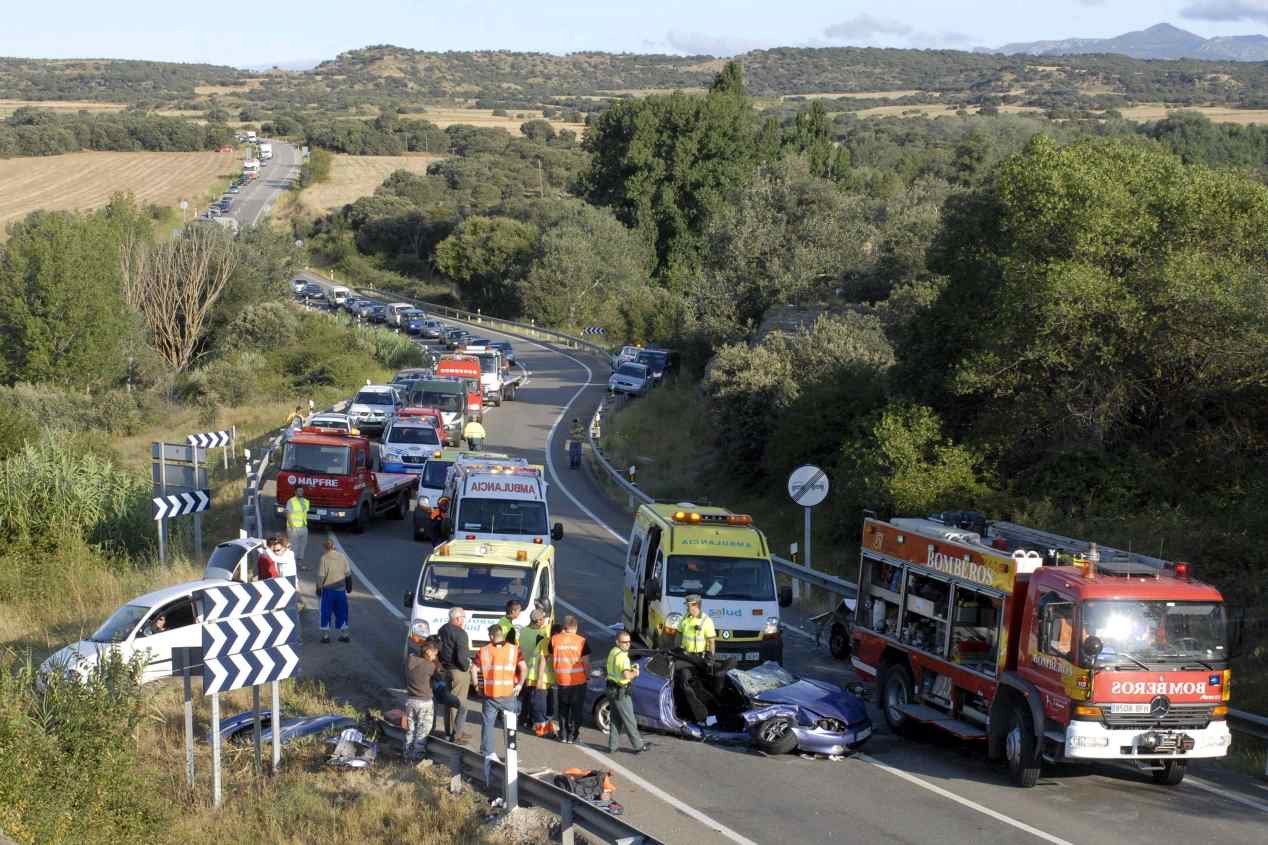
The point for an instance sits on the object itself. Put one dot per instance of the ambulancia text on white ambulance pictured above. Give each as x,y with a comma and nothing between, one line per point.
502,500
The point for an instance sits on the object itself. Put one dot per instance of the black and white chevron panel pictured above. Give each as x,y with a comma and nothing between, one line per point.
181,504
247,633
594,330
230,600
249,669
209,439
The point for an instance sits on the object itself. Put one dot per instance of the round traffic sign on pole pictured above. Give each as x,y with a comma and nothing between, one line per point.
808,485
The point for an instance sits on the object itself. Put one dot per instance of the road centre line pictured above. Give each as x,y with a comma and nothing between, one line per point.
964,802
369,585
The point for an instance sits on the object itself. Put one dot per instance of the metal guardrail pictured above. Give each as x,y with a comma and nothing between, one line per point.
782,565
252,514
1250,724
572,811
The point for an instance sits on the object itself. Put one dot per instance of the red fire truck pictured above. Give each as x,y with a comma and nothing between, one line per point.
467,368
1046,647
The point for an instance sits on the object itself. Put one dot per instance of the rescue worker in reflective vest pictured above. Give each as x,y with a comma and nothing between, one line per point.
697,638
569,657
507,623
502,673
474,433
534,643
297,524
621,673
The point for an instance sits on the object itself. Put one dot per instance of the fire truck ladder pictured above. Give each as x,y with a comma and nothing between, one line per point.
1112,561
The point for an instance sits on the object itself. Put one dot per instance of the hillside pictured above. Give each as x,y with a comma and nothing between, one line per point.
108,80
1161,41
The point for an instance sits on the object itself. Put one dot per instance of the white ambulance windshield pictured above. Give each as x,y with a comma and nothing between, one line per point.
748,579
475,586
502,516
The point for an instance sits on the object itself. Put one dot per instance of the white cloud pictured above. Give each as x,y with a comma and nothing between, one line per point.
696,43
865,28
1227,10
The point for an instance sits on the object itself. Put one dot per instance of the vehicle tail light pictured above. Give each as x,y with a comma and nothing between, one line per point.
471,536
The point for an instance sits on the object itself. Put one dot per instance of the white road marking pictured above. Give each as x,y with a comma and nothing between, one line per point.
1206,786
572,608
708,821
964,802
369,585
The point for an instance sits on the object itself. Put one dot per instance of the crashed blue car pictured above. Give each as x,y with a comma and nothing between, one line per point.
293,727
767,706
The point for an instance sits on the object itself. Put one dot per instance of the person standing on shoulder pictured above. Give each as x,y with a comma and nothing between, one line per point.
280,551
569,655
502,673
474,433
535,646
455,659
334,582
621,673
297,523
296,419
419,670
696,633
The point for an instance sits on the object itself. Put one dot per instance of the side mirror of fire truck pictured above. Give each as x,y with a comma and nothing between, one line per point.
785,596
1092,648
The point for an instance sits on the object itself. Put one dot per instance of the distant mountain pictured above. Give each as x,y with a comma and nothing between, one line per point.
1161,41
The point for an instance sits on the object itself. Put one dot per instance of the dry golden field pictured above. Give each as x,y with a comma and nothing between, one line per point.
81,181
8,107
353,177
857,95
443,117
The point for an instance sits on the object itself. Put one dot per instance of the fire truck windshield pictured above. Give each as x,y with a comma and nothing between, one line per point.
1156,631
746,579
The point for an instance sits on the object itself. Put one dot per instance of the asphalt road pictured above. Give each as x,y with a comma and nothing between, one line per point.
257,197
921,791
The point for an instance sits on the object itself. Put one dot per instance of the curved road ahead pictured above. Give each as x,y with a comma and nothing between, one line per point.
919,791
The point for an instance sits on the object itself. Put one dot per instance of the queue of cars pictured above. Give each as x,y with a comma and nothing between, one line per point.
636,370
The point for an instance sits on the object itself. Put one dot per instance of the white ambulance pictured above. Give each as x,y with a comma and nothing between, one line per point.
499,500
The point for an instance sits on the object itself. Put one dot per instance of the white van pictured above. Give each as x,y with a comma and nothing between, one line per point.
337,295
502,501
396,311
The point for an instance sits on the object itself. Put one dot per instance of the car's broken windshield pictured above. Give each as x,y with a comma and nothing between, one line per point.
764,678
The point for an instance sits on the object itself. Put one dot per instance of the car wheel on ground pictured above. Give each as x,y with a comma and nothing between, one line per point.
774,736
603,714
402,507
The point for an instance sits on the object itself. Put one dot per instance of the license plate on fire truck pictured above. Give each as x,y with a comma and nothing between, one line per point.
1137,707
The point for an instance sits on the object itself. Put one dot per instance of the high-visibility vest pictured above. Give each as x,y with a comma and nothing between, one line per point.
506,625
566,659
696,631
297,512
618,663
530,641
497,670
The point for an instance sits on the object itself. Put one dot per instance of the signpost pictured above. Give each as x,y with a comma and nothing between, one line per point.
249,638
807,486
178,471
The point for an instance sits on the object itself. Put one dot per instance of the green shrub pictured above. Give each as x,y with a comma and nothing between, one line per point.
69,771
55,487
263,326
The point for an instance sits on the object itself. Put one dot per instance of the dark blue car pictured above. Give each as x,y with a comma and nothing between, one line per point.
767,706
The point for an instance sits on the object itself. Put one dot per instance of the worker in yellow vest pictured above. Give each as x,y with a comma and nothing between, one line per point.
502,674
570,658
297,524
696,633
621,673
514,608
697,637
534,643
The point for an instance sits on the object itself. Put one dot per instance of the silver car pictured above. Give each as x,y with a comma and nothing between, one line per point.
630,378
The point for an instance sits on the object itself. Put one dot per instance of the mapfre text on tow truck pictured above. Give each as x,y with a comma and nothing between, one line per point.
334,471
1045,647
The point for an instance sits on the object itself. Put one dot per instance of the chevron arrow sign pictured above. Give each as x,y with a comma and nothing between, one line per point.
249,668
181,504
209,439
247,633
248,599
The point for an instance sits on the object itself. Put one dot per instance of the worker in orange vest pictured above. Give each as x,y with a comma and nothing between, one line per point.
569,654
502,674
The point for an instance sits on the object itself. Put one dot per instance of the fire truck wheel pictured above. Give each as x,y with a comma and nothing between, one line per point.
1171,773
897,691
839,642
1019,748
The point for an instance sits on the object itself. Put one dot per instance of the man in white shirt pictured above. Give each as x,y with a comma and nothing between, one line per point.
282,554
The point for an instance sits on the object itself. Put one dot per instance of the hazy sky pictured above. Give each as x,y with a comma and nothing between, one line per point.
259,33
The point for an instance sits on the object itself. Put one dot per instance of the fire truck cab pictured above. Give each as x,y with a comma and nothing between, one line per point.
1046,647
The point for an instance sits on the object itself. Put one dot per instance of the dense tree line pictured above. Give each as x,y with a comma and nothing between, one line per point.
108,80
36,132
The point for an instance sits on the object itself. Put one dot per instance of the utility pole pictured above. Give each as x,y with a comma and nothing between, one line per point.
541,184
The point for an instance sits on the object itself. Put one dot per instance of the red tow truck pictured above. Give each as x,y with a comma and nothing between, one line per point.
466,368
335,471
1047,648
